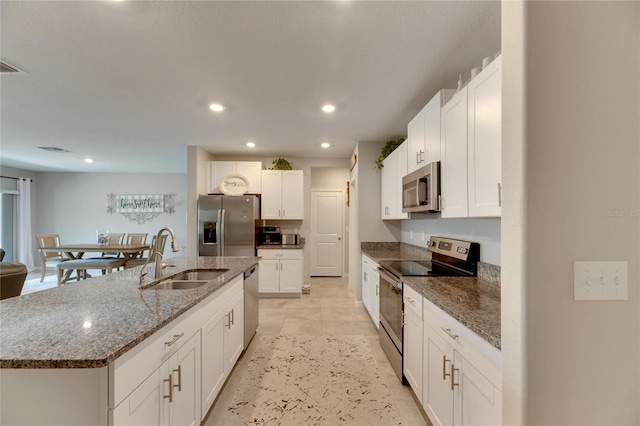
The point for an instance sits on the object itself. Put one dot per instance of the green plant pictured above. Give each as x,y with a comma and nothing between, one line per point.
387,149
281,164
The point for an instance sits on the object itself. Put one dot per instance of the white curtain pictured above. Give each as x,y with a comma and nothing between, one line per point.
25,238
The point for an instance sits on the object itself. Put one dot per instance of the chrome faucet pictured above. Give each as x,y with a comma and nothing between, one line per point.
157,256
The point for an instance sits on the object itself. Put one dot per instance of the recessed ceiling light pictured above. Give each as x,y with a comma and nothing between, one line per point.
251,144
216,107
328,108
88,160
325,145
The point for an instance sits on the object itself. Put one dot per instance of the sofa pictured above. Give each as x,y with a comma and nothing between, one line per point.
12,277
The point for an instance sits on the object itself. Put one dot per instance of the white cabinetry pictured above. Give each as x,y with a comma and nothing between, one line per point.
453,151
461,373
252,170
371,289
470,147
393,170
170,395
423,133
222,344
282,194
485,141
280,271
412,340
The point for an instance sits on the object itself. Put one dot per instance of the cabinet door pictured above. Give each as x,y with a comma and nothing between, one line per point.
476,400
432,123
269,274
485,141
185,379
437,394
292,194
366,298
290,276
453,149
252,170
416,137
388,176
217,171
213,373
401,171
146,405
412,351
234,332
271,200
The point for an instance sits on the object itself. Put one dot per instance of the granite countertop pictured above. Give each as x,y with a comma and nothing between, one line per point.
472,301
281,246
91,323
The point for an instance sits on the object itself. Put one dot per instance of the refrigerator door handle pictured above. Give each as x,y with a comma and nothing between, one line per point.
222,241
219,233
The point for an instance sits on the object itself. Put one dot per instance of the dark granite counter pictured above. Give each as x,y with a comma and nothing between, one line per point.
91,323
473,301
281,246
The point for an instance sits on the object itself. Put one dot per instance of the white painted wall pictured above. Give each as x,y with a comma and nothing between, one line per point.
420,228
74,205
580,134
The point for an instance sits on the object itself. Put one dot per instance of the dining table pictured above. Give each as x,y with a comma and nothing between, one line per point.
77,251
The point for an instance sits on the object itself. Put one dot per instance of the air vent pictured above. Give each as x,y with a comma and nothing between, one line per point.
8,69
53,149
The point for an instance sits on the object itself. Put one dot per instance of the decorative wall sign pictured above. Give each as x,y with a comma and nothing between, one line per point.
140,208
234,184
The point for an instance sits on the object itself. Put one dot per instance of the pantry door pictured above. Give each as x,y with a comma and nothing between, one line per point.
327,232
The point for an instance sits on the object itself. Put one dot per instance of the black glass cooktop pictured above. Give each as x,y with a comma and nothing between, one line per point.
408,268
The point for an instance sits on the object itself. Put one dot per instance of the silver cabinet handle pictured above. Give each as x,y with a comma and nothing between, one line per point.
450,333
176,337
377,289
453,370
284,213
179,385
417,157
365,276
228,315
499,194
421,159
233,317
409,299
444,367
170,396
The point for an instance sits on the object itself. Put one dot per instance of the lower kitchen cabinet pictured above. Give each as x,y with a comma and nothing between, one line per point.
280,271
412,340
170,396
461,373
371,289
222,344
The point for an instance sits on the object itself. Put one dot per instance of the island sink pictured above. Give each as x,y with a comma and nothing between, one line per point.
188,280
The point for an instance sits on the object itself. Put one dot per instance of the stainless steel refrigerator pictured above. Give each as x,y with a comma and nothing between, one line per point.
227,225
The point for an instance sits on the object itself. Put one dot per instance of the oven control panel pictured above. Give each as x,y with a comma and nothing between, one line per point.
463,250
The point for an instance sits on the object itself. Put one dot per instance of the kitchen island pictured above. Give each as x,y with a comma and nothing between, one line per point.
80,352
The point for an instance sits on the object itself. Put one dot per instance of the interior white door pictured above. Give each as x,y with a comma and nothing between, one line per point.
327,244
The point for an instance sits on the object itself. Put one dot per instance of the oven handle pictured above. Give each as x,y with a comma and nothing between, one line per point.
395,282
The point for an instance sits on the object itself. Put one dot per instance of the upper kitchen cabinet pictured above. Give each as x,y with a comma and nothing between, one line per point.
424,132
249,169
393,170
470,147
282,194
485,142
453,151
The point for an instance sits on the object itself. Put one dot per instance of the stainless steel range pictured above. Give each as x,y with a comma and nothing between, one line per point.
449,258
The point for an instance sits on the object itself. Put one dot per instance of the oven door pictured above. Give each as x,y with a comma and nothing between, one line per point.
391,306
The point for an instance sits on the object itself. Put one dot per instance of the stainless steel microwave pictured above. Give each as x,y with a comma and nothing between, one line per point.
421,189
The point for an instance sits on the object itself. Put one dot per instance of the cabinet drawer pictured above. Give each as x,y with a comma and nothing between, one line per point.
412,300
484,356
280,254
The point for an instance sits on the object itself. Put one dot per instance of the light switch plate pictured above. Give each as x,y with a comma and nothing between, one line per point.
600,280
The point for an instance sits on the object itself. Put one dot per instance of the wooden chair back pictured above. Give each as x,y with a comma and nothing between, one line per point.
49,241
137,238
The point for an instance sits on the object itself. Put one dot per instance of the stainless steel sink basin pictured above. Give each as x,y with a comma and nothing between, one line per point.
178,285
188,280
202,274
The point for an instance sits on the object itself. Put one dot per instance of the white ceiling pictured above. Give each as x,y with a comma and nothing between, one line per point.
129,83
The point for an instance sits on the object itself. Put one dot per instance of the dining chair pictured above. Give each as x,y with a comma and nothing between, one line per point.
137,238
152,249
114,238
49,258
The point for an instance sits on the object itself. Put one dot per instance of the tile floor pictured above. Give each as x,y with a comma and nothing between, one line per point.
330,309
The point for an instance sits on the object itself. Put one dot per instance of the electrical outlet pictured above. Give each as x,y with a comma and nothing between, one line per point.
424,235
593,280
411,235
